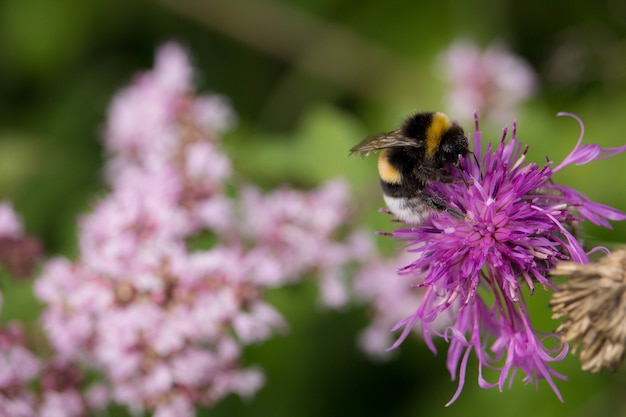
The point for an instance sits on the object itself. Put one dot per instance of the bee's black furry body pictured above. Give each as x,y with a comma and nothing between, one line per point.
420,152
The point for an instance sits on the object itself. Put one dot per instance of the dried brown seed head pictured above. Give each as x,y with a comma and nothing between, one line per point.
593,302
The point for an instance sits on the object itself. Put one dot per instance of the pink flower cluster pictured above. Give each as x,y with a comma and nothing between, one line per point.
492,82
169,284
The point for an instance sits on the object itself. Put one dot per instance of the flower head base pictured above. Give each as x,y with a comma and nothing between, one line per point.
593,301
518,225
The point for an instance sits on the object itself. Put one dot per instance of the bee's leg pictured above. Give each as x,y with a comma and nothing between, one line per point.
466,182
439,205
455,213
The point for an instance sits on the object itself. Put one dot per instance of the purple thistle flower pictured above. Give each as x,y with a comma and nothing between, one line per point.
518,225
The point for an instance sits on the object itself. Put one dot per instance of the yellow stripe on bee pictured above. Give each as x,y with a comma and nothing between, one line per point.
388,172
438,126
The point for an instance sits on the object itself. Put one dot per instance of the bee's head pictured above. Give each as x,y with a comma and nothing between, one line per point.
453,144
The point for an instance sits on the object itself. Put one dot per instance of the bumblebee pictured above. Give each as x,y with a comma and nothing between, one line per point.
422,151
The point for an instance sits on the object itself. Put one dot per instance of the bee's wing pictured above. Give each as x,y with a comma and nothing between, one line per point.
392,139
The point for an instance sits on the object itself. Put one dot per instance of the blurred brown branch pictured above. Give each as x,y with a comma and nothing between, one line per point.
309,43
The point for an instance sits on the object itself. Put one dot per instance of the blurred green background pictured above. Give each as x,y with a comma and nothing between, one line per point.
308,79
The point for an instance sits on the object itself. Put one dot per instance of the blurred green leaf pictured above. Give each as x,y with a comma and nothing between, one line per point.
316,151
38,35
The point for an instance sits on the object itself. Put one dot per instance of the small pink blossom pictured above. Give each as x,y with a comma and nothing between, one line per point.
19,253
214,111
10,223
